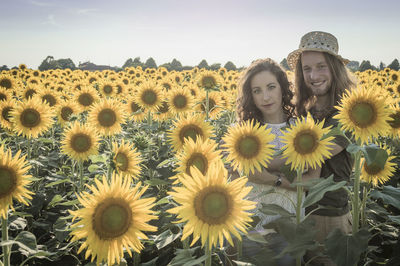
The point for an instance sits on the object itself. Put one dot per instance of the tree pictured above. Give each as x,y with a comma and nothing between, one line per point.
4,67
230,66
137,62
353,65
284,64
203,64
150,63
394,65
215,66
176,65
66,63
365,65
382,66
48,63
128,63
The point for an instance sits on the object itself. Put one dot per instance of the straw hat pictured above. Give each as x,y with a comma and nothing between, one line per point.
317,41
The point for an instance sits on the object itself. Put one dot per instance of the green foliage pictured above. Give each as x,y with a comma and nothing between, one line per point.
394,65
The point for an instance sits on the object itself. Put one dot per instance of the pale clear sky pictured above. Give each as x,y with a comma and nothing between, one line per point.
108,32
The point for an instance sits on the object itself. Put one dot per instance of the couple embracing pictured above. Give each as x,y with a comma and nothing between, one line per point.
266,95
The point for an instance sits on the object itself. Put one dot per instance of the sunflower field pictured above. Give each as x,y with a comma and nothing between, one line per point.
135,168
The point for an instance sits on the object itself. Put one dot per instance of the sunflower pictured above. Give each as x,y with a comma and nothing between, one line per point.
214,103
305,144
86,97
134,110
8,82
200,153
209,80
364,113
13,180
395,120
375,174
180,100
5,94
212,207
248,146
32,118
189,126
65,110
79,142
112,219
126,159
163,113
49,96
5,110
149,96
106,117
107,88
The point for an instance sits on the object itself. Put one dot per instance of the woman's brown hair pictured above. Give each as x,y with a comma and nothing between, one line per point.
246,108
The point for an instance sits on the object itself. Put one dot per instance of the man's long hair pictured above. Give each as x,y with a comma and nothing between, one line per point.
246,108
341,81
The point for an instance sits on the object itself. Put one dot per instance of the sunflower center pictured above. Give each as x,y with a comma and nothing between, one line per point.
85,99
213,205
30,118
363,114
8,181
134,107
50,99
66,112
5,113
107,117
122,161
198,160
180,101
5,83
164,108
248,146
107,89
3,97
372,169
395,123
91,80
112,218
190,131
81,142
305,142
208,82
149,97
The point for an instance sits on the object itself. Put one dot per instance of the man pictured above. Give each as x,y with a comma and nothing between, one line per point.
320,80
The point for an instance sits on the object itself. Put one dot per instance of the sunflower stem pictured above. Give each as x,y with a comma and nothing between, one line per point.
80,163
208,254
299,203
207,105
356,189
29,148
109,170
136,258
239,248
364,205
4,234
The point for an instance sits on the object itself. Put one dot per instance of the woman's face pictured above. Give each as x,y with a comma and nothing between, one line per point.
267,96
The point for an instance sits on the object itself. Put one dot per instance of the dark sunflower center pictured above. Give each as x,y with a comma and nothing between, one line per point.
85,99
166,86
363,114
30,118
5,113
149,97
372,169
66,112
180,101
119,89
5,83
190,131
8,181
248,146
213,205
107,117
134,107
164,108
211,104
91,80
107,89
305,142
29,93
50,99
122,161
3,97
395,77
198,160
112,218
81,142
395,123
208,82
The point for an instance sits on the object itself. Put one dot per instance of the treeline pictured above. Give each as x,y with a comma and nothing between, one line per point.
50,63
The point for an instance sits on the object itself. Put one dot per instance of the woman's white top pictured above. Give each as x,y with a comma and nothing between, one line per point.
282,197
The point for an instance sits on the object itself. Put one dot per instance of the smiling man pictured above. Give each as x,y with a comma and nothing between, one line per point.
320,80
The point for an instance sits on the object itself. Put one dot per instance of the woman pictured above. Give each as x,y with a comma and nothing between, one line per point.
265,95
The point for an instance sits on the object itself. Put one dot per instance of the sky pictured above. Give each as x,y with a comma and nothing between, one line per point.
109,32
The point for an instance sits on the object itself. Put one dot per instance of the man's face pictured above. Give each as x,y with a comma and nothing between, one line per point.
316,73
